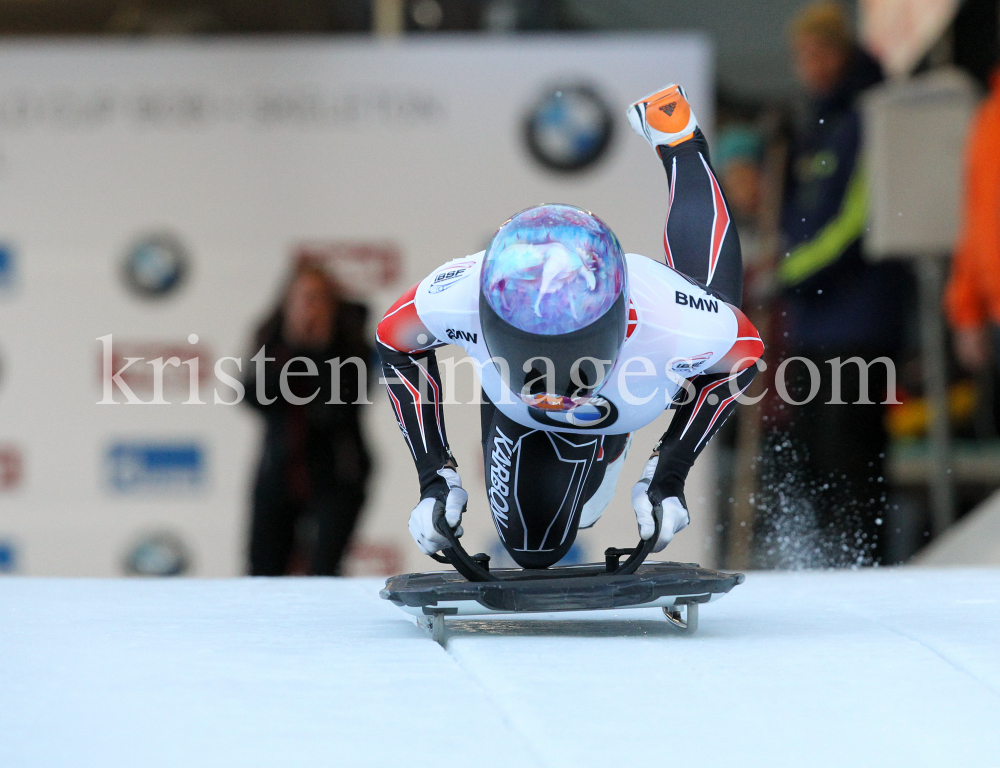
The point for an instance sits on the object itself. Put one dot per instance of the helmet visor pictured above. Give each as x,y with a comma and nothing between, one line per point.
558,371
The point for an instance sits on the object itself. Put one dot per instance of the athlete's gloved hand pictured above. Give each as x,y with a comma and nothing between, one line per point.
675,514
422,517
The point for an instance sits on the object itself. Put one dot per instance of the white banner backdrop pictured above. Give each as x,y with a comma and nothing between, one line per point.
239,154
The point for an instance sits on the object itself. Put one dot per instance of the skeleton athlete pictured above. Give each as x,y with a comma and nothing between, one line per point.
579,345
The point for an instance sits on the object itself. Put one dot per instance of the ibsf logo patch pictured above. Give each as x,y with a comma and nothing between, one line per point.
450,275
690,364
156,467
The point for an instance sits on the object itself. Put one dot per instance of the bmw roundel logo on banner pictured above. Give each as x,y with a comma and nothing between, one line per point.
156,265
569,128
158,554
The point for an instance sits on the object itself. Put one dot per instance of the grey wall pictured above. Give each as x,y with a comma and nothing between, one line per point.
749,36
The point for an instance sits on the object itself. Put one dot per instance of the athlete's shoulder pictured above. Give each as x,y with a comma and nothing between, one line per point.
663,292
677,317
643,270
447,300
414,321
747,347
452,287
457,273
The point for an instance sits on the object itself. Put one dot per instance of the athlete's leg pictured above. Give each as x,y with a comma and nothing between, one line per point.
699,236
700,241
538,483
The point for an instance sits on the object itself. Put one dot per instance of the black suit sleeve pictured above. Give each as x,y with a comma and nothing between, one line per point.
707,403
414,386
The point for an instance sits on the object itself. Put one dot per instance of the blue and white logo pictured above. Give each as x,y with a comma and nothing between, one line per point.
161,467
8,557
155,265
596,412
569,128
158,554
8,264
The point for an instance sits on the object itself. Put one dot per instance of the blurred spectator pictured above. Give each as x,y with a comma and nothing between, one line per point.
832,302
310,484
738,155
972,299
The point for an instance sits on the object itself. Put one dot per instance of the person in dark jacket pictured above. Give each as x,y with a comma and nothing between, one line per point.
314,463
834,303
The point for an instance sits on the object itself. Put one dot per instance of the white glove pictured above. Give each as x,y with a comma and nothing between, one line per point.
422,517
675,516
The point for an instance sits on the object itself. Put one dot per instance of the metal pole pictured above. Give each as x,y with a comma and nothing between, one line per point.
930,270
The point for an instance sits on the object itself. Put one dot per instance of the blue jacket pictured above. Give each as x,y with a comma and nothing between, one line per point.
834,301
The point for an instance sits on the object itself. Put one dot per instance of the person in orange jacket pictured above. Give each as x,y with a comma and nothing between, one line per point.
972,298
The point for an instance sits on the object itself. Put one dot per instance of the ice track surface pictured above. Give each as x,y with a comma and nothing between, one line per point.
896,667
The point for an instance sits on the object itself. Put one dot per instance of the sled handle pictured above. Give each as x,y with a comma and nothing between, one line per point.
636,555
455,554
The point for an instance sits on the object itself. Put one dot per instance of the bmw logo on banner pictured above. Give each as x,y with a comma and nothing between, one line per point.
569,128
155,265
158,554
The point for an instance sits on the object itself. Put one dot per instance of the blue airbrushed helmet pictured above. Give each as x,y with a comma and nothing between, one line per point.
553,286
